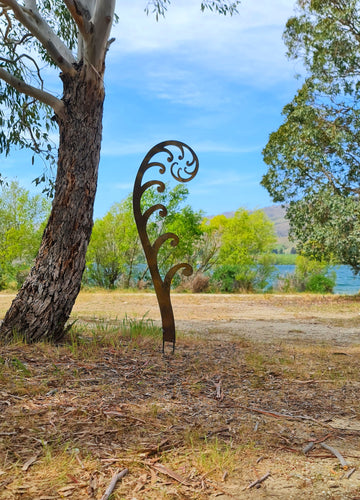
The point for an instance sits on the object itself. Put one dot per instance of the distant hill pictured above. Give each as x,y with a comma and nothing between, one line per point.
276,214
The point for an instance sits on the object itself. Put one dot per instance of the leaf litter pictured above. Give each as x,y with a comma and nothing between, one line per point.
215,420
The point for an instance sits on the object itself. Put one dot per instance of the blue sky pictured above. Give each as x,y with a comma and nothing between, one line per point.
216,83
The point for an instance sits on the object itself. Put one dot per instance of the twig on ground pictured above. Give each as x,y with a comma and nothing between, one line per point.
122,415
78,459
217,431
286,416
29,462
350,472
321,440
337,454
116,477
311,381
164,470
288,448
258,481
219,392
308,447
163,446
313,442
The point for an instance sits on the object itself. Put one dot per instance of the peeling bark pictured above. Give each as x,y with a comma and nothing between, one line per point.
44,303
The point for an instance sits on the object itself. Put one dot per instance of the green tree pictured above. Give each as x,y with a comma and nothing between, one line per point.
22,221
72,36
247,240
314,156
114,247
245,235
187,225
208,248
115,253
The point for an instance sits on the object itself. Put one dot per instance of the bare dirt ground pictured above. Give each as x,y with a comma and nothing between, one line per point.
255,380
260,318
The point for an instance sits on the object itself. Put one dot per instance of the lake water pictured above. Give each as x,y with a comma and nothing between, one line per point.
346,281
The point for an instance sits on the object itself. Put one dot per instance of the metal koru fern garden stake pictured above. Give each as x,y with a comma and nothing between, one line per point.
184,165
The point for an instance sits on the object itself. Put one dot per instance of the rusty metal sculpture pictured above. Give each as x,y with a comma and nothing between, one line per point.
182,170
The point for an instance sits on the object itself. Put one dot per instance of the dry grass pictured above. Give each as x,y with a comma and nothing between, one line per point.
216,415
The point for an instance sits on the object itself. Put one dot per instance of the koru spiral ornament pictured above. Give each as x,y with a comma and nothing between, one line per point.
184,165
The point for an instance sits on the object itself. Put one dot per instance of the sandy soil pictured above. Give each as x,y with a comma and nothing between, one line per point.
263,318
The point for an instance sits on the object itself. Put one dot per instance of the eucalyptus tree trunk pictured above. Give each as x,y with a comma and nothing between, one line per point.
44,303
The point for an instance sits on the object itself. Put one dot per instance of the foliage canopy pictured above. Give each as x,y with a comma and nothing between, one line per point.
243,242
22,220
314,156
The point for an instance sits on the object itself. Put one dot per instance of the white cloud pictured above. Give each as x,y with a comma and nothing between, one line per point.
246,46
218,83
178,86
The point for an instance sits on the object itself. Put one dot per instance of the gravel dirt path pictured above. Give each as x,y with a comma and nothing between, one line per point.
262,318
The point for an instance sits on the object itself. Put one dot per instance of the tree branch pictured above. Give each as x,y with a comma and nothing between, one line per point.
102,23
14,61
37,26
44,97
81,15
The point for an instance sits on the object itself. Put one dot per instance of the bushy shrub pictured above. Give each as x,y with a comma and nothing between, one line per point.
224,278
199,283
251,277
318,283
288,283
309,276
12,276
143,284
